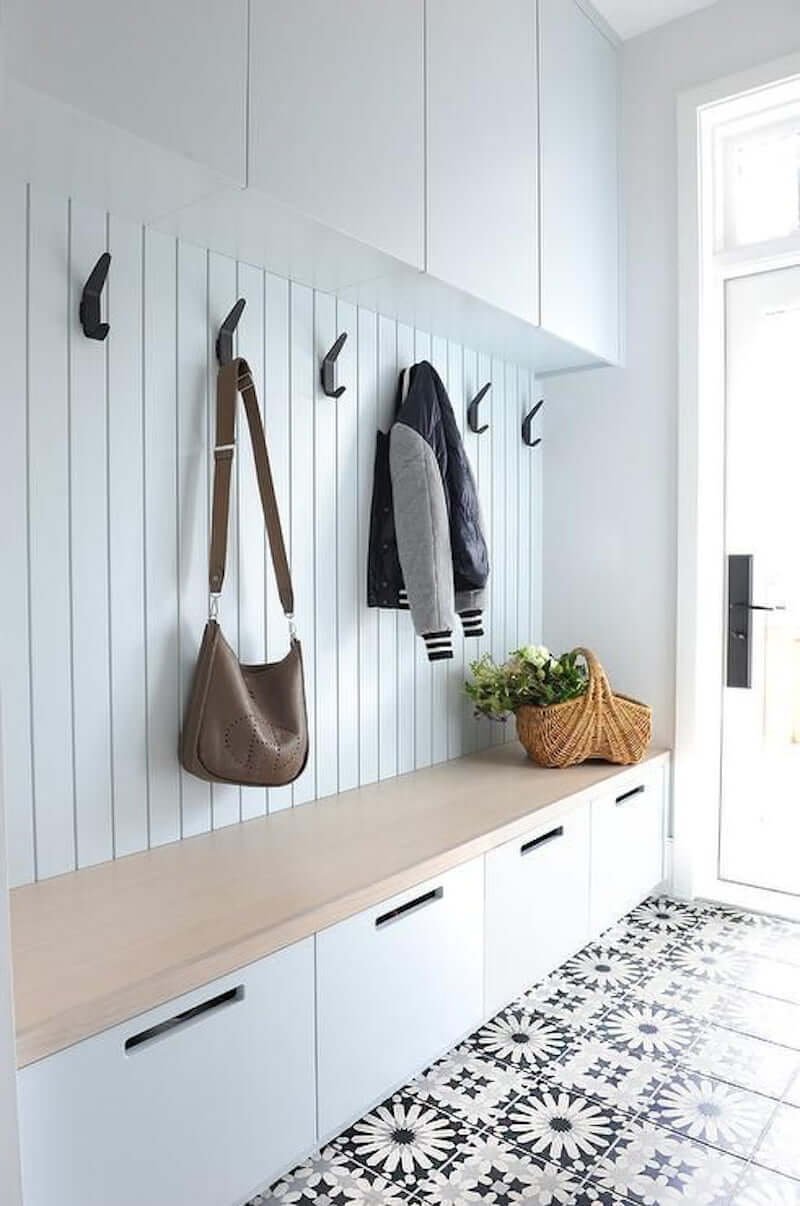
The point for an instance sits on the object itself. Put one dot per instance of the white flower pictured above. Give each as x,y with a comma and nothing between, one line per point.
546,1185
484,1154
648,1029
538,655
456,1188
395,1135
521,1038
561,1125
712,1111
604,968
709,960
665,915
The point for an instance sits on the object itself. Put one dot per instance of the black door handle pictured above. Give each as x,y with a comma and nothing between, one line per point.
740,630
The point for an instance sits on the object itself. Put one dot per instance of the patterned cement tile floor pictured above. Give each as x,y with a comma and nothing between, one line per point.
659,1065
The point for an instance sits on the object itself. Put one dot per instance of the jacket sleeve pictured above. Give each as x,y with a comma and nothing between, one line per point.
423,538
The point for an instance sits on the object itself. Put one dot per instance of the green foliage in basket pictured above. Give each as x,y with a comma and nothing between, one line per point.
532,675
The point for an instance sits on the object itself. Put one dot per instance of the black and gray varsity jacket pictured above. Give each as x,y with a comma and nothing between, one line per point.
427,551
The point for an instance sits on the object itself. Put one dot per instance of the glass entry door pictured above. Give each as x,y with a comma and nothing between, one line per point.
759,840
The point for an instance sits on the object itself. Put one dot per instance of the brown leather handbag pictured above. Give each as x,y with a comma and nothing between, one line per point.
244,724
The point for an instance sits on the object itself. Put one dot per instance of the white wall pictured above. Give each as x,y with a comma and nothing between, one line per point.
104,487
10,1186
610,472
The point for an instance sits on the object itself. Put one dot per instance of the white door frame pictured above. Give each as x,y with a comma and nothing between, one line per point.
700,636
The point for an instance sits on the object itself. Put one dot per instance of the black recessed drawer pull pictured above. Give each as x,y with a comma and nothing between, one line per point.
182,1019
542,840
628,795
411,906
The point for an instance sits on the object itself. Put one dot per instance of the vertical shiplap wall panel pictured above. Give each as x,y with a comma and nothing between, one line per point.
350,571
387,620
513,448
193,501
498,430
441,676
325,540
14,632
537,520
457,742
368,677
88,460
406,639
49,532
303,394
484,728
161,536
226,801
252,547
525,458
107,470
126,528
423,668
277,406
474,647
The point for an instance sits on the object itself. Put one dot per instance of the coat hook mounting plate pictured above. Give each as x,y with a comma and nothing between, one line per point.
526,425
328,371
227,332
472,410
89,311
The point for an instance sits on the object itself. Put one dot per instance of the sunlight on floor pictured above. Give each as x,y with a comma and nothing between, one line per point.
659,1065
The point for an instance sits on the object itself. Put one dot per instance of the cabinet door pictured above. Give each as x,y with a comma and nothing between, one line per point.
579,179
537,905
396,986
201,1101
627,846
336,115
174,74
482,150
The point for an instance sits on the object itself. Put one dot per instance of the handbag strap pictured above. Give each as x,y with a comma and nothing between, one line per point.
232,379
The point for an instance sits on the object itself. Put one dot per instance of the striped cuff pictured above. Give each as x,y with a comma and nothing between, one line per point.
439,645
402,599
472,622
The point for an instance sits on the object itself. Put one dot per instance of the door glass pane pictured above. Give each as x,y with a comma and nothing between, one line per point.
760,817
763,186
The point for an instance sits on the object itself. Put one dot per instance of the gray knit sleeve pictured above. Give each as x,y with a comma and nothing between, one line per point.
423,538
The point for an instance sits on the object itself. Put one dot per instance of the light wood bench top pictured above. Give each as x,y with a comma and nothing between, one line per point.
96,947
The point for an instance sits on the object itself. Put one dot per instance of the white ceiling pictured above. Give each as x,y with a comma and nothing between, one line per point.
632,17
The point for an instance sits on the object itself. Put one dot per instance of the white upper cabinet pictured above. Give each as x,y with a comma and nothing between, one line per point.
579,180
172,73
482,150
336,115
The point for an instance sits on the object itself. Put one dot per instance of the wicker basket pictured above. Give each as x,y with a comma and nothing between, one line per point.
598,724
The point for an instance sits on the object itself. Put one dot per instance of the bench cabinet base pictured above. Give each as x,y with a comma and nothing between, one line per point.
171,1110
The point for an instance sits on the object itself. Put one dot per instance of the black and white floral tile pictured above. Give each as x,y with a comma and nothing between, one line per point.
659,1065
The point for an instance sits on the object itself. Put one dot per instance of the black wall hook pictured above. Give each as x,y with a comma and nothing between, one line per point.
472,410
328,372
89,311
526,425
227,332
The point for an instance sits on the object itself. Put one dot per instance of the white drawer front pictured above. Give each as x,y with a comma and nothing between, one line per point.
202,1113
537,905
627,846
396,986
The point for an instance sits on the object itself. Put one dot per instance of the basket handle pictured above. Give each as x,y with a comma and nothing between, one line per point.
598,687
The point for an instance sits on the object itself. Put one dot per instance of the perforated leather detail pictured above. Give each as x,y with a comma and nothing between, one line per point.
260,748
